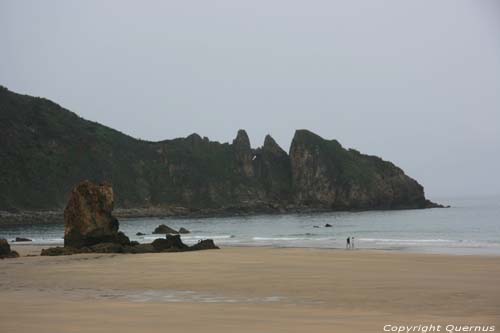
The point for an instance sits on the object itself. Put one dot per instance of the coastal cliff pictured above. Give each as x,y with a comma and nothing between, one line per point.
45,150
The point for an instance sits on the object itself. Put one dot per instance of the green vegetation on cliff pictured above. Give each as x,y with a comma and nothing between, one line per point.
45,150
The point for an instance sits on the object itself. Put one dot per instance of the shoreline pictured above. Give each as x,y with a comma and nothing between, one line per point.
247,290
25,249
28,217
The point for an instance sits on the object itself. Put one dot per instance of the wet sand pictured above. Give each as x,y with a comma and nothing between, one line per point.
246,290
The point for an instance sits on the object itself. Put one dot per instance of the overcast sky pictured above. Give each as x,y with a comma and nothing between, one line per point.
415,82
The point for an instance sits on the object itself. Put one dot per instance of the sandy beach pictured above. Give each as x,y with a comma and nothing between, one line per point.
246,290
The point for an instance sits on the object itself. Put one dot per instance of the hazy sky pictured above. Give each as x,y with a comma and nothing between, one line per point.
415,82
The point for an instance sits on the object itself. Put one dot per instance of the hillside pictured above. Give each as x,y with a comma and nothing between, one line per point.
45,150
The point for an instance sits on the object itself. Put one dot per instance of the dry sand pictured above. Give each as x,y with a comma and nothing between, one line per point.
246,290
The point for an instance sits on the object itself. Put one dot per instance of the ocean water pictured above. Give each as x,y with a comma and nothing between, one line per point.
470,226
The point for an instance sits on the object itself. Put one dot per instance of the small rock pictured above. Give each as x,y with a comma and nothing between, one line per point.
170,243
21,239
163,229
328,225
140,234
206,244
184,231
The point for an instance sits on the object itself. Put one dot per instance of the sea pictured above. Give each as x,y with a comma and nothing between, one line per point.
470,226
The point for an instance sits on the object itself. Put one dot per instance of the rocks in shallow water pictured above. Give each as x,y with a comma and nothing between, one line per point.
5,251
88,218
170,243
163,229
206,244
328,225
22,239
140,234
91,228
183,230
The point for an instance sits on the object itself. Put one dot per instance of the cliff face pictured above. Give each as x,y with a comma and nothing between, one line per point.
326,174
45,150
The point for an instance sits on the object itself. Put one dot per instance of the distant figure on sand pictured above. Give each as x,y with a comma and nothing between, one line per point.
352,242
348,243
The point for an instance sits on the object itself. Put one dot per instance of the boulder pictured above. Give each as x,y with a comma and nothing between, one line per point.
90,227
328,225
5,251
206,244
88,218
183,230
170,243
140,234
163,229
21,239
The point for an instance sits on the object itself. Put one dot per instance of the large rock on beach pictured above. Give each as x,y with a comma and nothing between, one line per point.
5,251
90,227
88,218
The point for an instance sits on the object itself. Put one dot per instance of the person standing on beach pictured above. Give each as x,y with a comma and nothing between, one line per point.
348,243
352,242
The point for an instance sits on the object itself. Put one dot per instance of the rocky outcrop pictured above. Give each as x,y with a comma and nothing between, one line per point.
185,176
206,244
164,229
243,154
5,251
325,174
273,169
88,218
183,230
90,227
172,243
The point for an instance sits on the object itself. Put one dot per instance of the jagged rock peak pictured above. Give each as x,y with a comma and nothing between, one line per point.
242,139
305,137
194,137
243,154
271,145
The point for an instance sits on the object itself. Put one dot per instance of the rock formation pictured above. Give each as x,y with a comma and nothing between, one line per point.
324,174
90,227
172,243
88,218
243,153
164,229
183,230
5,251
183,176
